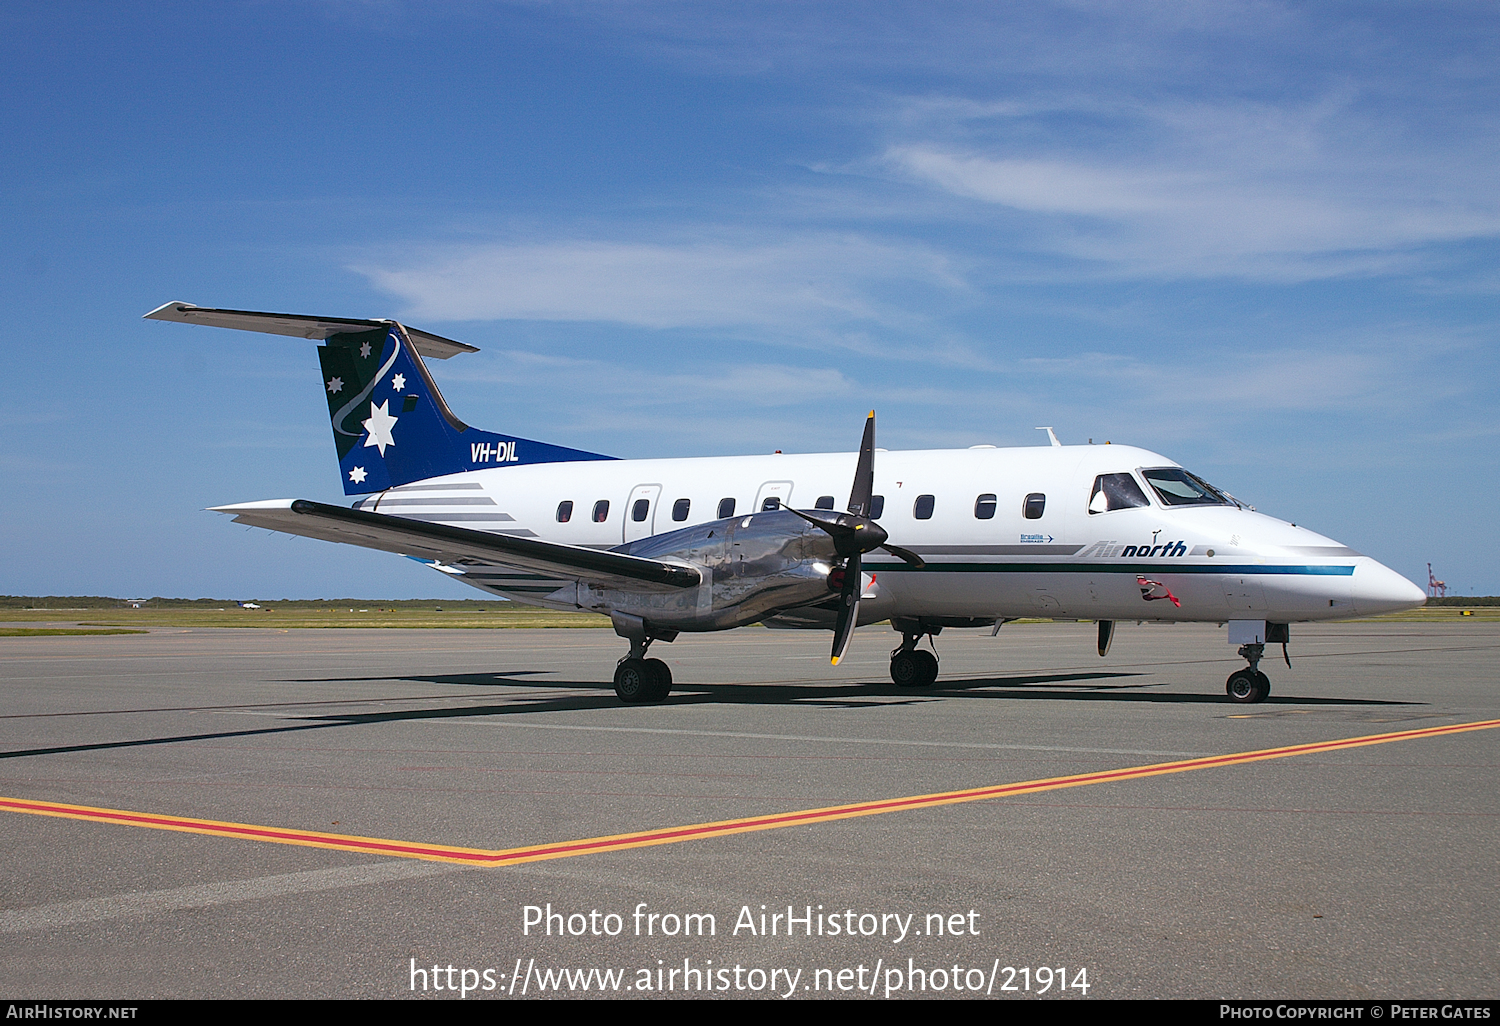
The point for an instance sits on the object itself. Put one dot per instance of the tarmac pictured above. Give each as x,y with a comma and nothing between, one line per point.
473,814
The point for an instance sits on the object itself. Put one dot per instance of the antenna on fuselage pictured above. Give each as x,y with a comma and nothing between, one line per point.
1051,437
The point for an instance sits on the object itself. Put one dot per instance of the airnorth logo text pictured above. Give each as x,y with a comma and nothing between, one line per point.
493,452
1112,549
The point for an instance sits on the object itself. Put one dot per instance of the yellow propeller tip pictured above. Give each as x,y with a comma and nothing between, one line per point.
872,413
835,660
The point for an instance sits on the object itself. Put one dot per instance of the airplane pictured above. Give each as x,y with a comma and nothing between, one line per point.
928,540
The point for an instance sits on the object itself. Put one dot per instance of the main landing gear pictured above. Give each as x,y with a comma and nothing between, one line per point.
638,679
1249,685
911,667
642,680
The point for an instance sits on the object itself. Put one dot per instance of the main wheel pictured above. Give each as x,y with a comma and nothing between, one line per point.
661,680
929,668
634,680
1247,686
906,670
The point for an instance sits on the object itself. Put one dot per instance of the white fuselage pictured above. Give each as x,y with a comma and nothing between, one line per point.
1220,562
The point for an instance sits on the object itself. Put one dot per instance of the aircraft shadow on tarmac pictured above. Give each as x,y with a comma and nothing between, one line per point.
821,695
1083,688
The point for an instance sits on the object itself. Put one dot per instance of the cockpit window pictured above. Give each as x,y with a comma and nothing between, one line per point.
1176,487
1116,491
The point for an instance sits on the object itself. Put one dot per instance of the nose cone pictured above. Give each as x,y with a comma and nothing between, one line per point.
1379,589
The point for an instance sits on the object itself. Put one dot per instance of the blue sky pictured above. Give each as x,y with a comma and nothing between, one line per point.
1259,238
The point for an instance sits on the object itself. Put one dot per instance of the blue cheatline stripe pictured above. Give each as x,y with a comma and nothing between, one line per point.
1112,568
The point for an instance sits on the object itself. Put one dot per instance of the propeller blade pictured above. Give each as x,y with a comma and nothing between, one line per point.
864,472
907,554
848,608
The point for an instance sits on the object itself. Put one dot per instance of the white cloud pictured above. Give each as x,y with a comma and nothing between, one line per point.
1281,193
797,281
759,385
1257,383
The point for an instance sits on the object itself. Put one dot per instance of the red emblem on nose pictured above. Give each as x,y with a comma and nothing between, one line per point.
1153,590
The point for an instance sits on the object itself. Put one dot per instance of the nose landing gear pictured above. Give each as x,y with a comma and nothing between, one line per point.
1249,685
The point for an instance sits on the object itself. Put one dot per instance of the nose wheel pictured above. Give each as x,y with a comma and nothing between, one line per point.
1249,685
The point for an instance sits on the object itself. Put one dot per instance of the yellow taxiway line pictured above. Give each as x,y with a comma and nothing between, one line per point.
699,831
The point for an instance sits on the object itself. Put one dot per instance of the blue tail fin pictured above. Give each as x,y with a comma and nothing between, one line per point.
391,425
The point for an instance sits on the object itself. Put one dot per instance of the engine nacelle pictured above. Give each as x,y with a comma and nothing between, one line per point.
752,566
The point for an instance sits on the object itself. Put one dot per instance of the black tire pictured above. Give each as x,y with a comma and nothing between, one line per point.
634,681
1247,686
929,665
661,680
906,670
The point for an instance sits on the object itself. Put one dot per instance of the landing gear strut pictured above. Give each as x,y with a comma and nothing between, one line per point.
911,667
1249,685
638,679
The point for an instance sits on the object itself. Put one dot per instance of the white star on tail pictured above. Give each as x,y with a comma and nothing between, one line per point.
379,426
335,385
358,475
364,350
398,382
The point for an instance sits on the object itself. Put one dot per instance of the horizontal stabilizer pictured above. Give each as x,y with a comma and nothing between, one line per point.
450,545
302,326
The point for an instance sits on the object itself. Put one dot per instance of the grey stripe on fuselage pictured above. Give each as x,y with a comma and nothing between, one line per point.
492,518
996,550
456,500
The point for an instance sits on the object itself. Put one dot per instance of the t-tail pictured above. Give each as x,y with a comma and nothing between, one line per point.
391,425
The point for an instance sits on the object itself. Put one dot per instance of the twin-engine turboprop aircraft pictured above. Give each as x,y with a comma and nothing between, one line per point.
928,539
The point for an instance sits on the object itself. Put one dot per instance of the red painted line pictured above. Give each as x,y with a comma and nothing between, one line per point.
670,835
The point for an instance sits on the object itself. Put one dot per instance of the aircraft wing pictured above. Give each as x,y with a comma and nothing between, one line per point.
459,545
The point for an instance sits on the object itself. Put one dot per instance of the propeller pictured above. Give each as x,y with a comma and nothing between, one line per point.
855,533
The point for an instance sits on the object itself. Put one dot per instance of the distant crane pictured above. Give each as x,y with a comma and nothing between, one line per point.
1435,587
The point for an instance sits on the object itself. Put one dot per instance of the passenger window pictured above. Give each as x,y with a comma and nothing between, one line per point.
877,506
824,502
922,508
601,511
1036,505
771,503
984,507
640,509
564,511
726,508
680,509
1116,491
